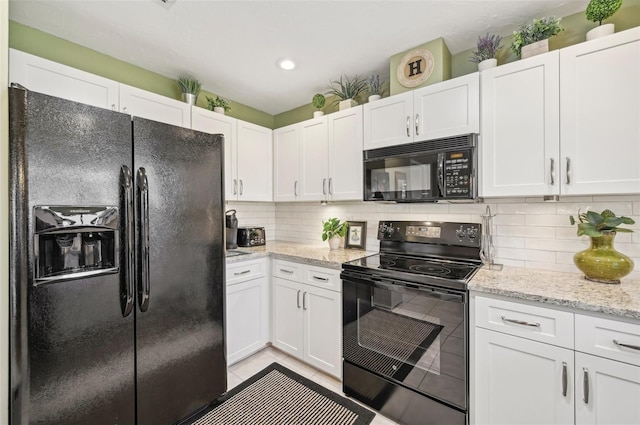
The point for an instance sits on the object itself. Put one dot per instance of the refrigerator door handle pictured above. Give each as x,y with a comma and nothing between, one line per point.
144,285
127,300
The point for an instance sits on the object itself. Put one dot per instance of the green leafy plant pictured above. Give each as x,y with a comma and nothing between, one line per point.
189,85
595,225
218,102
486,48
318,101
539,29
333,227
347,88
375,85
599,10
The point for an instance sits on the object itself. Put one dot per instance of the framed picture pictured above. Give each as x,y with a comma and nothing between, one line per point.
356,235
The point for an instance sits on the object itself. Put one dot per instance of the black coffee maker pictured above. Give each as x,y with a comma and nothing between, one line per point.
231,223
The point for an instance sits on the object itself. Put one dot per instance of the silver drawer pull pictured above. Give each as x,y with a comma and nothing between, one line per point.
585,385
324,279
619,344
520,322
286,271
564,379
242,272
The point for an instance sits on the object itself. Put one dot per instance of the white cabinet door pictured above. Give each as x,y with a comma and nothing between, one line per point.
214,123
322,329
445,109
519,145
288,327
388,121
518,381
255,162
600,115
345,155
48,77
286,158
152,106
247,318
607,392
314,162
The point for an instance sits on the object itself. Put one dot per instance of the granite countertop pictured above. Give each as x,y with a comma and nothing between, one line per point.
316,255
562,289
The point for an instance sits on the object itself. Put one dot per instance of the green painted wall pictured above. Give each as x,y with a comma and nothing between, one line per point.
45,45
441,67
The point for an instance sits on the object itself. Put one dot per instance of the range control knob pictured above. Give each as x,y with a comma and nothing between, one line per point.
472,232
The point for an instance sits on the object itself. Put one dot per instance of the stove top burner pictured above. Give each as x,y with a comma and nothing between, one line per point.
431,270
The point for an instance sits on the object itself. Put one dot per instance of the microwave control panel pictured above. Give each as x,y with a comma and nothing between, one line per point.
457,173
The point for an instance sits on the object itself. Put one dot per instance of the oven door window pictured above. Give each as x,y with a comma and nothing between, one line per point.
410,337
404,179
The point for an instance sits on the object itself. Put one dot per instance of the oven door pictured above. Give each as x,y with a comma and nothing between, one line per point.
416,338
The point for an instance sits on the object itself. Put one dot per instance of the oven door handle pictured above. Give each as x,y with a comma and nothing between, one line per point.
408,288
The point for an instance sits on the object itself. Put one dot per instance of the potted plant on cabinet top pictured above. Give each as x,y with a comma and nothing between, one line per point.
533,39
486,50
374,87
190,88
601,262
218,105
598,11
318,102
333,231
346,90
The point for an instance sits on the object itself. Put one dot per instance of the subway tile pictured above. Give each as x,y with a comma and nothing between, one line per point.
526,232
429,208
620,208
509,262
563,268
558,245
526,254
531,208
547,220
509,219
508,242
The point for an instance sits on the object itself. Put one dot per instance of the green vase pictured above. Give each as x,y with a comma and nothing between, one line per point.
601,262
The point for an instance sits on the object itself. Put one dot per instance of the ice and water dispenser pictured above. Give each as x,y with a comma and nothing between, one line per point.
75,242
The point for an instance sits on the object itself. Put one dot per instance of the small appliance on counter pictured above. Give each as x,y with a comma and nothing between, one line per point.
251,236
231,224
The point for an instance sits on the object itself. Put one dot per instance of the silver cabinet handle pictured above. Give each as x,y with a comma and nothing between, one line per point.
417,121
564,379
113,106
408,125
295,188
330,185
241,187
235,186
242,272
553,172
619,344
585,385
324,186
568,171
124,109
520,322
324,279
286,271
298,298
304,301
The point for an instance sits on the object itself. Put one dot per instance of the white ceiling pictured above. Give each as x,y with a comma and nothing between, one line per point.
232,46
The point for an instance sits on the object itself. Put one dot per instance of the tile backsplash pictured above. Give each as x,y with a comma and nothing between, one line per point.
527,231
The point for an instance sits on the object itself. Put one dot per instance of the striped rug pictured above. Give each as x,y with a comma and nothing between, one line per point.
279,396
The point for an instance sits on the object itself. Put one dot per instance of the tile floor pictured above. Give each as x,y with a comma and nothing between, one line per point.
255,363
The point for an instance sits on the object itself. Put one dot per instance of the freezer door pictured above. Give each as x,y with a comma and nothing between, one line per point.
179,331
72,348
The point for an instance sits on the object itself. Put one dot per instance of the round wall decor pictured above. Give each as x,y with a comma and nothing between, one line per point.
415,67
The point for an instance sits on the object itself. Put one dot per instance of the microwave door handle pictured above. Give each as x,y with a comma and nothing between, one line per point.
441,174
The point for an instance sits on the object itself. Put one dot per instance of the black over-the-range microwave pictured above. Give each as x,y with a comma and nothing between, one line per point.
429,171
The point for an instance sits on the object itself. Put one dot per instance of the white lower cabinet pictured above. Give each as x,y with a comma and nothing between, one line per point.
307,320
247,309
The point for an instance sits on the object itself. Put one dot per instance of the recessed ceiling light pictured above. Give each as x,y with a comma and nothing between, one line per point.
286,64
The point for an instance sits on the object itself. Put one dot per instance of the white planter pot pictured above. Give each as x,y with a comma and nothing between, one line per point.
318,114
334,242
346,104
600,31
189,98
374,97
536,48
487,63
219,109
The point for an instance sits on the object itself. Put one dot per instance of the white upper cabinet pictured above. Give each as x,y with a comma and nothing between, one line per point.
314,159
345,155
254,162
48,77
520,132
214,123
445,109
152,106
286,156
600,115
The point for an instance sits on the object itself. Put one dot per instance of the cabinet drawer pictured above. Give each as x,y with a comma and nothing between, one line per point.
245,270
288,270
604,337
524,320
323,278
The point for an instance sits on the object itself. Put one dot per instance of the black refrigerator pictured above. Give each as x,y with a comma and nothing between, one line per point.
117,266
